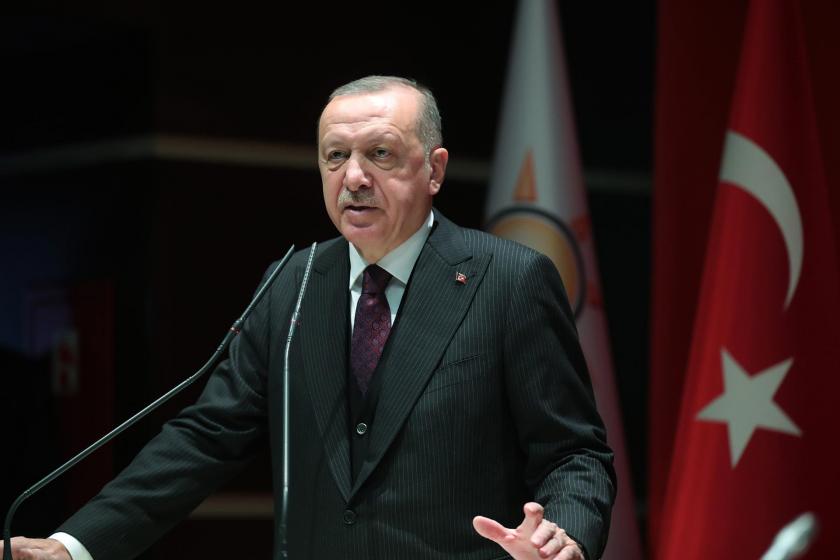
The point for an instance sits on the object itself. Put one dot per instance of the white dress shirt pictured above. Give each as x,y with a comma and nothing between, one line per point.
399,263
76,549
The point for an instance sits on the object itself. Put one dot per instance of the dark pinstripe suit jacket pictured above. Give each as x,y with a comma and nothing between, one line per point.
484,404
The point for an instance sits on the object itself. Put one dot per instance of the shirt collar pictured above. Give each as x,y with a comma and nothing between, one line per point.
400,261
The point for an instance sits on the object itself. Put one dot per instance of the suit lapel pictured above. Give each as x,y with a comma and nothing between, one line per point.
323,336
433,306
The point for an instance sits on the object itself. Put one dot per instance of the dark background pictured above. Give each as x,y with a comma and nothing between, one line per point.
109,185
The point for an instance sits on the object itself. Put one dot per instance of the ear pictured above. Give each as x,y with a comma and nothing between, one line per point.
437,161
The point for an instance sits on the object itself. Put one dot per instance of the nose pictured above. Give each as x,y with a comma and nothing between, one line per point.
355,177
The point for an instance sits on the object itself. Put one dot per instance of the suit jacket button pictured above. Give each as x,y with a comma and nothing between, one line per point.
361,428
349,516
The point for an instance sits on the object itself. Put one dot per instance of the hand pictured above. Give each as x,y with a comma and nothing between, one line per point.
534,538
37,549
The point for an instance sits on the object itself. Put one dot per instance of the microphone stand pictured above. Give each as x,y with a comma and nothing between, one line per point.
232,332
284,504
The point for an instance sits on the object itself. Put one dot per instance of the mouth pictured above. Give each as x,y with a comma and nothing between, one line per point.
358,208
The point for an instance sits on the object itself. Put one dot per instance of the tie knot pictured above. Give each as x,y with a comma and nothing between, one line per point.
375,279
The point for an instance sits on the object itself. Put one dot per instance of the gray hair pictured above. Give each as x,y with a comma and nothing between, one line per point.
429,126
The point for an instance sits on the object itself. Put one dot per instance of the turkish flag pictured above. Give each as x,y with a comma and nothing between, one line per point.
756,429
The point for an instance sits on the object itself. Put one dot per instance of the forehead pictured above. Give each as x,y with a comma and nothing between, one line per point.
392,109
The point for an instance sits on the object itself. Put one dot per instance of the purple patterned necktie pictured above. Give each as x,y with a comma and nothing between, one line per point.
371,327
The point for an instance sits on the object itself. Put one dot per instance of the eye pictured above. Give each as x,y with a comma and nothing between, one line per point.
336,155
381,153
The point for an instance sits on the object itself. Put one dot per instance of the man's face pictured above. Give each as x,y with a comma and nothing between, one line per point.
378,188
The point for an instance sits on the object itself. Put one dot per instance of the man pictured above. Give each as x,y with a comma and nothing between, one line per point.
442,384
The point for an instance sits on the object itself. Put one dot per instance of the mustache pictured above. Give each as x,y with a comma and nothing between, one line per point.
361,197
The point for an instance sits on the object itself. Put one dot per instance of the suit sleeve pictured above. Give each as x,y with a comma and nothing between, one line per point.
569,465
203,447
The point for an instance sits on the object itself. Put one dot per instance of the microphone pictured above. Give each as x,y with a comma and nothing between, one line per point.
794,538
284,504
229,336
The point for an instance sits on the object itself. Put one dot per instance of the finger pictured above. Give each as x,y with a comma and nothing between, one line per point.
570,552
533,518
491,529
551,548
544,532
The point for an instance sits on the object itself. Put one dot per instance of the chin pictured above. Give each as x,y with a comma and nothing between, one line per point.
367,240
361,235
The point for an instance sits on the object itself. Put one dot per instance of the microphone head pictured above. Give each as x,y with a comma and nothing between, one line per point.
794,538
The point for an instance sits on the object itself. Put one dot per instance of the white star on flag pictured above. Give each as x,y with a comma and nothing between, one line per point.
747,403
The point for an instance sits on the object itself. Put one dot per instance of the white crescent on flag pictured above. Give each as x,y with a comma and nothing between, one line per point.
747,166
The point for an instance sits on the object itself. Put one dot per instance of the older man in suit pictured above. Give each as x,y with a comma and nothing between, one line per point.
437,378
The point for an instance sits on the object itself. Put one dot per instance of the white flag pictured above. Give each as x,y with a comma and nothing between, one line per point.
537,197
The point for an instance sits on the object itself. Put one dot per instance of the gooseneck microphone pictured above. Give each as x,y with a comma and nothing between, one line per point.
284,503
229,336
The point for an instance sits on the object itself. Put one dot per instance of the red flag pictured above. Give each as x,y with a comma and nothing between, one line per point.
756,420
691,71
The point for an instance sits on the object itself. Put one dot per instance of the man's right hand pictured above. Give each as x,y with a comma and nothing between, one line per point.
37,549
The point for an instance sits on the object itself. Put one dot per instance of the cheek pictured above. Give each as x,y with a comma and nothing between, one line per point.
412,198
331,187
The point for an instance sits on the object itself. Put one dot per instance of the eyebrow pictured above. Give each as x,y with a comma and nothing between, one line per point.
372,135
